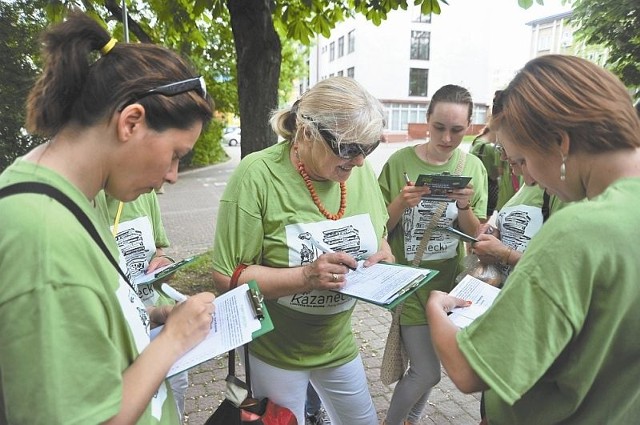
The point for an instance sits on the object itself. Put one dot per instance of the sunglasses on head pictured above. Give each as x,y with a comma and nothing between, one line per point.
196,84
344,150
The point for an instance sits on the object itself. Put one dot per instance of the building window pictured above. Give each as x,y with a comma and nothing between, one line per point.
420,45
479,115
399,115
418,81
567,39
332,51
351,41
351,72
340,73
544,39
422,17
341,47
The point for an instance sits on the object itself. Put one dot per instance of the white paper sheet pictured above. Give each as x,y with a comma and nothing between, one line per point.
481,295
380,282
234,321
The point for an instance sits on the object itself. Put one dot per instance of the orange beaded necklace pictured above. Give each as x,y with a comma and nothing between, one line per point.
314,194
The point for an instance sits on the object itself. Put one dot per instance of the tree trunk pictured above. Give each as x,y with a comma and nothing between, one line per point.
259,54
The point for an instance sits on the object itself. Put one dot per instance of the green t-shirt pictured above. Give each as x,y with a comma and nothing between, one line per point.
139,232
444,251
489,156
69,325
559,344
508,184
267,217
521,218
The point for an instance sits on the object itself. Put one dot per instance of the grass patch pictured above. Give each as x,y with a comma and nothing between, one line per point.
195,277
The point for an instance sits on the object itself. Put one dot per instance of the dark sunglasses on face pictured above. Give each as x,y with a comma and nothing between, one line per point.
347,150
344,150
196,84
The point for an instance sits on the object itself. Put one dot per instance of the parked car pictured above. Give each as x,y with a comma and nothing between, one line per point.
232,138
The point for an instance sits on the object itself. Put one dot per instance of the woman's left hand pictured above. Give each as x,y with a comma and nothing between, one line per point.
441,301
158,315
488,248
462,197
382,255
157,262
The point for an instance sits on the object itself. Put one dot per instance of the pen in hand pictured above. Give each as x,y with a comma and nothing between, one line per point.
327,250
172,293
406,178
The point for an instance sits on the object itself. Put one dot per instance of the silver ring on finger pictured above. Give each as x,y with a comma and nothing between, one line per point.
334,276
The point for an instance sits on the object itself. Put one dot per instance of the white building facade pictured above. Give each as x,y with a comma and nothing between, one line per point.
555,34
409,56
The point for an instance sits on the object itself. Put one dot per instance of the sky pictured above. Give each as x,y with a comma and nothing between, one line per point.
510,32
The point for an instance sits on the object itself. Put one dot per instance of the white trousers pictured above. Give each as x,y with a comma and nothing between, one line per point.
342,389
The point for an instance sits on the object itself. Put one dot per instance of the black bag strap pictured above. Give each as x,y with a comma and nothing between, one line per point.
545,206
52,192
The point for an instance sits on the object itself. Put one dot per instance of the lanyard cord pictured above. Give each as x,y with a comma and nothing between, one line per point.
117,220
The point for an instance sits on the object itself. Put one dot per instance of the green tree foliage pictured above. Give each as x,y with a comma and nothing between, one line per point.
20,24
254,24
262,63
614,24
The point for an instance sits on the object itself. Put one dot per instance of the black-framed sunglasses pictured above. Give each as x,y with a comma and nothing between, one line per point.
196,84
344,150
347,150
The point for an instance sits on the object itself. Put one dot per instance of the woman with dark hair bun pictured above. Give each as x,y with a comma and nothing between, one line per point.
555,346
75,336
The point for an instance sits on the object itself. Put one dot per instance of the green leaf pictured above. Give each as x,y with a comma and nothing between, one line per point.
525,4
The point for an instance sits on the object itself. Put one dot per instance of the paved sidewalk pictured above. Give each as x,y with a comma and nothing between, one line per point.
189,210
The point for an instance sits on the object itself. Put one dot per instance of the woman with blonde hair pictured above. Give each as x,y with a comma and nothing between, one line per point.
294,217
555,346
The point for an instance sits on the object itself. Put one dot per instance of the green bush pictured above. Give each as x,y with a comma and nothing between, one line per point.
207,149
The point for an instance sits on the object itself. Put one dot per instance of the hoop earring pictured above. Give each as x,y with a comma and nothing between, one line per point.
563,169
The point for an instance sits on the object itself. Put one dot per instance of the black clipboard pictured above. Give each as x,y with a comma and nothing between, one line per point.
442,184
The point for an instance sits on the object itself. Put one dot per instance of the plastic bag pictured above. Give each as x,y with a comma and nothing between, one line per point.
488,273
